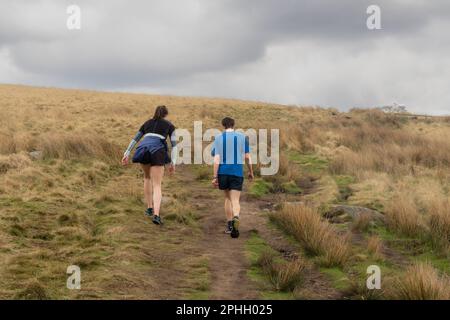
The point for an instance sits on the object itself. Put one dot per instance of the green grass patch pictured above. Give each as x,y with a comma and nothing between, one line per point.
202,172
260,188
419,248
440,263
375,205
343,183
385,233
255,246
256,249
200,280
338,278
291,188
357,288
310,163
189,218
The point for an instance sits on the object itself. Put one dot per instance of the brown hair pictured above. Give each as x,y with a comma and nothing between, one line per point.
160,113
228,122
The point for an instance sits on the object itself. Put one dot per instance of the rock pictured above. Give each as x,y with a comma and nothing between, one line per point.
36,155
345,213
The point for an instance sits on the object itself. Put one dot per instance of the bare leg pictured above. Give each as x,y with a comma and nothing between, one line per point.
228,209
157,173
147,186
234,197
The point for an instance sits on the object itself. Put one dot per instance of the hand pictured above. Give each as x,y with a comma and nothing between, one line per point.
215,182
171,168
251,176
125,160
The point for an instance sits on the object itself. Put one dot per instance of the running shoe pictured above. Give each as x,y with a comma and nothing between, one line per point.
149,212
235,228
157,220
229,227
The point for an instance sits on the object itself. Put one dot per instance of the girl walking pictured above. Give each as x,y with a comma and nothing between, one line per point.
152,153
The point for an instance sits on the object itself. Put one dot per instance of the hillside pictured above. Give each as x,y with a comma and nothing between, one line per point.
354,189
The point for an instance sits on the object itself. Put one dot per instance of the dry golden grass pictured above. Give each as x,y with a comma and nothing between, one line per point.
284,276
76,145
375,247
403,216
439,224
296,137
361,223
14,161
369,140
422,282
81,196
317,236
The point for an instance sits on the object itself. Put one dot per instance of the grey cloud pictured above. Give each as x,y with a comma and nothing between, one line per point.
206,47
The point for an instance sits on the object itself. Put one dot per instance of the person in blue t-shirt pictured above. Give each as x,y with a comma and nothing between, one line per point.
231,150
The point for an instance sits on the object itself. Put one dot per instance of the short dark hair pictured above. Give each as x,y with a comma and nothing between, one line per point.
228,122
160,113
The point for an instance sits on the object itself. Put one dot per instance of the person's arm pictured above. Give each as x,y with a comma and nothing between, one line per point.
248,160
133,142
174,152
215,181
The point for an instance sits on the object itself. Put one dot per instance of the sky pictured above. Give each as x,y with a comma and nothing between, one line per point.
296,52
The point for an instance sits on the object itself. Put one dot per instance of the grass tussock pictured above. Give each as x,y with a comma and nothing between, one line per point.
7,143
357,290
385,149
316,235
69,146
403,217
33,291
287,180
439,224
422,282
361,223
375,247
284,276
14,161
297,138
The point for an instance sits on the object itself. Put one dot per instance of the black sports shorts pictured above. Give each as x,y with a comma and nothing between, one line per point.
158,158
227,182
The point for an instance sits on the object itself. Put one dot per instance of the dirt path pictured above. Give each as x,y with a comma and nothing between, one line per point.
228,264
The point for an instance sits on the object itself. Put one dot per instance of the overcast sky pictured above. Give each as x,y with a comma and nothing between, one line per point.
305,52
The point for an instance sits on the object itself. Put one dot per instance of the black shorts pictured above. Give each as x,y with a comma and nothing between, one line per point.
158,158
227,182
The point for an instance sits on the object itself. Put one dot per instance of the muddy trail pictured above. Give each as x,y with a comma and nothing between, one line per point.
228,263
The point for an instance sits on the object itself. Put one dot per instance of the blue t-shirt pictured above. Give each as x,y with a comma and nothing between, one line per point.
232,147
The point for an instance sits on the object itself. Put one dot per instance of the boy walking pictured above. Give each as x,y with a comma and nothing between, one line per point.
231,150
